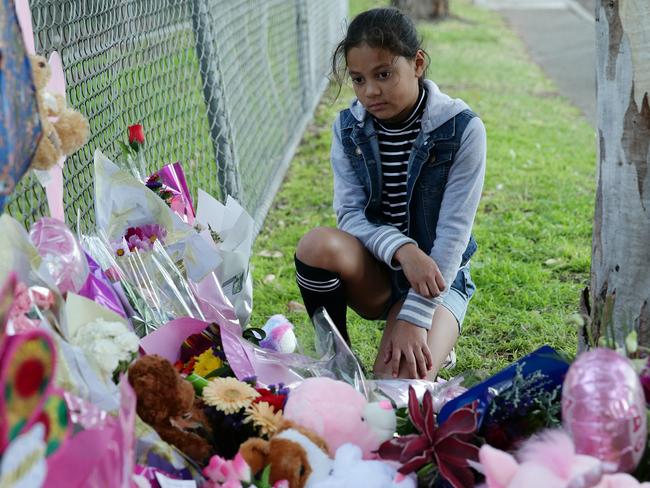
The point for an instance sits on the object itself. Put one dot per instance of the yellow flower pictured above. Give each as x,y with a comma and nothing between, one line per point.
206,363
264,418
229,394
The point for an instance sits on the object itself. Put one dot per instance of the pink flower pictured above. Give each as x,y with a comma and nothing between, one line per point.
134,231
232,484
144,237
22,302
217,470
221,470
241,468
281,484
43,298
153,232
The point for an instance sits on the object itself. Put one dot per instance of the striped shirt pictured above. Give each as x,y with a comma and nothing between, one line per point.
395,144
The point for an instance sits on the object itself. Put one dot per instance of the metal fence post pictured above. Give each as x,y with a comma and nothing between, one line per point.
227,167
304,58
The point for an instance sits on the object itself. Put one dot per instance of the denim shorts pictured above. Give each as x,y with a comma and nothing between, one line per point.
456,299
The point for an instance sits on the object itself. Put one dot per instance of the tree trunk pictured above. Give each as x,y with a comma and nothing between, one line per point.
620,266
423,9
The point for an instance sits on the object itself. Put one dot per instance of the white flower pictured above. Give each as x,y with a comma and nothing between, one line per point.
128,342
106,344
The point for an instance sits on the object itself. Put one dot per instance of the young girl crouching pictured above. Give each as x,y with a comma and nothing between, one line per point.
409,164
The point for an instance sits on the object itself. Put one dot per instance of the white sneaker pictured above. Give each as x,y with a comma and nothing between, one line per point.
450,361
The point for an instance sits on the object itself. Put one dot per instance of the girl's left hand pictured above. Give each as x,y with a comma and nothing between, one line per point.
420,270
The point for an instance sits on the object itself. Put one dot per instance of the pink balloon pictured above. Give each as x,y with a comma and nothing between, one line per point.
603,408
62,256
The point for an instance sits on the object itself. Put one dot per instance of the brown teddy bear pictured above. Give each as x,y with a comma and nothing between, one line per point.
294,453
70,130
166,402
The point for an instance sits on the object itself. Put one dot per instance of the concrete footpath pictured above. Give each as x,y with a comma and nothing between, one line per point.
560,37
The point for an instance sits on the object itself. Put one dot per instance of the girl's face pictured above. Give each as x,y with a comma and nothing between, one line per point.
386,84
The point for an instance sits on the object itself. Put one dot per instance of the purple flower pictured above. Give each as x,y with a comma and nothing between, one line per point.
251,380
153,182
645,383
154,232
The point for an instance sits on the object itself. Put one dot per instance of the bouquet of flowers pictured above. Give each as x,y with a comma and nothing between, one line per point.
203,356
239,410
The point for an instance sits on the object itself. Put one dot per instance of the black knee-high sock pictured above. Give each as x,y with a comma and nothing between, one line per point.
322,288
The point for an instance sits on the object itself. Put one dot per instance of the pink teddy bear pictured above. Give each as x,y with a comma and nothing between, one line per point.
339,414
548,461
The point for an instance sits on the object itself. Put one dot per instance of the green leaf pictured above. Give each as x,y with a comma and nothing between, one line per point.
427,475
126,150
631,342
220,372
404,424
264,481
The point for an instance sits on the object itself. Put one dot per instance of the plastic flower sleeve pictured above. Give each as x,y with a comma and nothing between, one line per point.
335,359
121,202
170,184
63,260
17,253
99,289
336,356
534,376
398,390
213,302
246,360
232,227
100,456
153,283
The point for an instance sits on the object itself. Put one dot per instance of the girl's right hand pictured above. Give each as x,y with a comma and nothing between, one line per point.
407,351
420,270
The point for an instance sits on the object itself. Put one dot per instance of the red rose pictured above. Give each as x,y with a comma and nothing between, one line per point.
136,134
275,401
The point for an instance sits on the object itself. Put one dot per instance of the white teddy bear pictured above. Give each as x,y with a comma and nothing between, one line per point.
349,470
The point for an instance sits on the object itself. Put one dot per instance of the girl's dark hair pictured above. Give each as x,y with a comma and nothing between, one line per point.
383,28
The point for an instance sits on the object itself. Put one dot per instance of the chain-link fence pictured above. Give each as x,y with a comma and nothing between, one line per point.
224,86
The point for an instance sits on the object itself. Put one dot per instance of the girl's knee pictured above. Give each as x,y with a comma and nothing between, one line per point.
320,247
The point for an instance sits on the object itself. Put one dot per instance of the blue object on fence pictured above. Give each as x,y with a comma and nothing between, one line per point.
546,361
20,126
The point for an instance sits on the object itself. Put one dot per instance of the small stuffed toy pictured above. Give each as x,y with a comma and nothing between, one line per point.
338,413
351,471
279,335
70,130
295,454
548,461
166,402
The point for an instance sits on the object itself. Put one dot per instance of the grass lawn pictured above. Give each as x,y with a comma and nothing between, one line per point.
534,223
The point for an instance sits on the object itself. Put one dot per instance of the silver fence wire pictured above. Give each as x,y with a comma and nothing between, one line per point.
226,87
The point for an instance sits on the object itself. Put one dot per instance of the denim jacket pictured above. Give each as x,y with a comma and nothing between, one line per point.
445,177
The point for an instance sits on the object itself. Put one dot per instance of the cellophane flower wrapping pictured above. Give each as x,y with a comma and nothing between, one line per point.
100,289
160,261
233,228
17,253
170,184
519,400
154,285
103,454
